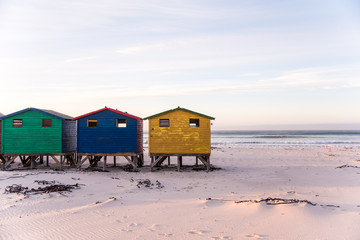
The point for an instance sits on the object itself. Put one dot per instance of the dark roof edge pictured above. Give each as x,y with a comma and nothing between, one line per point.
47,112
179,108
110,109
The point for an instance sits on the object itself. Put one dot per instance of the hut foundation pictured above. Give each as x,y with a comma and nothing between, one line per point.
158,159
134,159
32,160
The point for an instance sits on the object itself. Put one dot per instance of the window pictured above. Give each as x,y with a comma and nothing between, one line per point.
92,122
194,122
164,123
121,123
46,122
17,123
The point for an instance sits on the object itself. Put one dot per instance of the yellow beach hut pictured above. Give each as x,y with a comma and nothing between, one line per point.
179,132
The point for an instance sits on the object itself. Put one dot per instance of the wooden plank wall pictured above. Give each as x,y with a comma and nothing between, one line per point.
140,137
68,136
0,137
31,137
106,137
179,138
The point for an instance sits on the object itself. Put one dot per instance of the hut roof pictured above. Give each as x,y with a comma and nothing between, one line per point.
179,108
1,114
110,109
48,112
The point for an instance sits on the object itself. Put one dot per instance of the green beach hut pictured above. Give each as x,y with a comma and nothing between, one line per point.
34,133
0,134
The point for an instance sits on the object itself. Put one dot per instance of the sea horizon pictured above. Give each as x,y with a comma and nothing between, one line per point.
282,138
286,138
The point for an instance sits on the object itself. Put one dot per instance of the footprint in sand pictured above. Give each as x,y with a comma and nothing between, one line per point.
135,225
154,227
256,236
196,232
166,234
222,237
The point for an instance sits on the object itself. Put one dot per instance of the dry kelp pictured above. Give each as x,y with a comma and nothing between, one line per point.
18,188
348,166
44,182
274,201
148,184
268,201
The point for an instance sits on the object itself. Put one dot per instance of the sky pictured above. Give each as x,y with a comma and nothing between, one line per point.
250,64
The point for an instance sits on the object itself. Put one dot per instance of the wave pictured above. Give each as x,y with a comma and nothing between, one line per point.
287,143
286,133
275,136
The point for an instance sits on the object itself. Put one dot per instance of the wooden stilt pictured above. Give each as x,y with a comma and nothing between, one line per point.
9,160
32,162
205,161
140,160
131,162
56,161
96,159
24,160
114,161
169,161
2,162
71,158
82,161
76,159
104,166
47,161
27,161
178,163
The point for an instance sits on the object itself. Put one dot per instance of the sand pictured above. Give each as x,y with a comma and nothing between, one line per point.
111,205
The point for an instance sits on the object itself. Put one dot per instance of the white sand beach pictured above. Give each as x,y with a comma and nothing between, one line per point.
110,205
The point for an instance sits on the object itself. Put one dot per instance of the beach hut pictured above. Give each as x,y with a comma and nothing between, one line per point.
1,156
109,132
179,132
32,133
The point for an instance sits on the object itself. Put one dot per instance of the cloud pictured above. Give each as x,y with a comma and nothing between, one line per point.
80,59
131,50
299,79
319,78
169,45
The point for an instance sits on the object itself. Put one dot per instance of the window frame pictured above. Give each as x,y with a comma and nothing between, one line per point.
91,121
164,122
194,122
47,123
18,124
120,124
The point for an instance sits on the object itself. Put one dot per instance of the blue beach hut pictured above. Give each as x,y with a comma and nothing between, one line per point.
109,132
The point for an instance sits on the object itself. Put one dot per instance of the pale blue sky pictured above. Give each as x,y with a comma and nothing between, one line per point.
250,64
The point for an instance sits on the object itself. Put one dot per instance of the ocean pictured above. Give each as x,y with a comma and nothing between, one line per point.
292,138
